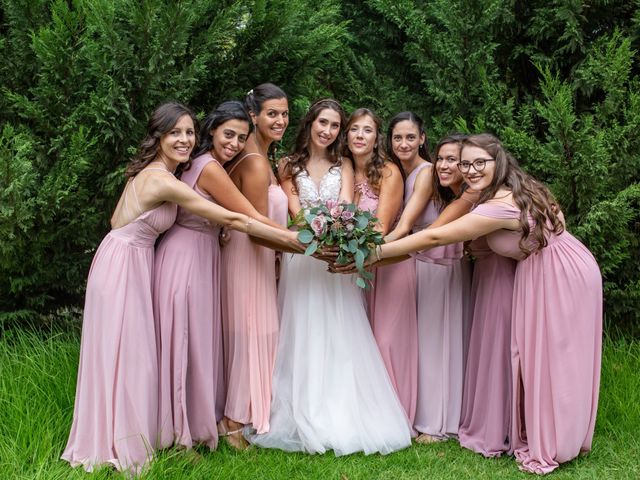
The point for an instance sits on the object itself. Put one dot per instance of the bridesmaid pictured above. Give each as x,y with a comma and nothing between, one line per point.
116,406
249,299
486,397
556,336
187,289
392,299
440,298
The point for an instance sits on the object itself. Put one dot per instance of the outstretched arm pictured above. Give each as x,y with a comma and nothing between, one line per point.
465,228
420,197
216,182
173,190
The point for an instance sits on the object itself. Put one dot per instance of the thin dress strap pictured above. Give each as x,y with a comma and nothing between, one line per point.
135,193
135,196
237,162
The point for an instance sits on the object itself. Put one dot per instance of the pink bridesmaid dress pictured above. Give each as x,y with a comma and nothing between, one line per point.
440,286
392,313
116,406
556,343
187,313
250,321
486,399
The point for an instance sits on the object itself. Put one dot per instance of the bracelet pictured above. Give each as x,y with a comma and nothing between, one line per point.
378,253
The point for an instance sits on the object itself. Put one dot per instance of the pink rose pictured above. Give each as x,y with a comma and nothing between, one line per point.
347,215
319,225
336,211
331,204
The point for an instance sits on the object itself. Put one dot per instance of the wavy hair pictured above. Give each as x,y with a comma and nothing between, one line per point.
443,196
298,158
423,149
229,110
533,198
162,120
379,156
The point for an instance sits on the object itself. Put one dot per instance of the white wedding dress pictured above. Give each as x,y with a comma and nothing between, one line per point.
331,390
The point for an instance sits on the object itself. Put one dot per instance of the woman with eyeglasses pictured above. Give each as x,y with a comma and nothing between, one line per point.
440,290
556,334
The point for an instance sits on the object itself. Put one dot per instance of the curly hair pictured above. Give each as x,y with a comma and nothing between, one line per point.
379,157
162,120
534,199
443,196
298,158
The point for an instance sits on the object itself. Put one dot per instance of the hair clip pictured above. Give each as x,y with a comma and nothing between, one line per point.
250,92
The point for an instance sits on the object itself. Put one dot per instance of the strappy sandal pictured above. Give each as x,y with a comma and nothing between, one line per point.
233,438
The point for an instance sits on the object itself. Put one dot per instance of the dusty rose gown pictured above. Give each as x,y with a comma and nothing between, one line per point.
186,303
250,320
116,407
486,401
391,305
556,342
441,334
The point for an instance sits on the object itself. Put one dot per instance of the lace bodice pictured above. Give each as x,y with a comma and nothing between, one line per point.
329,189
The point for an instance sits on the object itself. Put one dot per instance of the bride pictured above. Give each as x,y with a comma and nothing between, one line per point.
331,390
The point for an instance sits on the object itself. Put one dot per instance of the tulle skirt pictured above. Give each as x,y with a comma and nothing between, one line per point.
331,390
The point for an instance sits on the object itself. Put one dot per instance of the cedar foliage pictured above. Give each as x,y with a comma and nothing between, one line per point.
557,81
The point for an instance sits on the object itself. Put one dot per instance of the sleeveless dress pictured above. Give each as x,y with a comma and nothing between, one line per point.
556,343
392,313
441,278
116,406
250,320
331,390
188,325
486,400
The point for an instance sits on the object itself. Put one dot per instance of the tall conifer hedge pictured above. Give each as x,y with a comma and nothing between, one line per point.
557,81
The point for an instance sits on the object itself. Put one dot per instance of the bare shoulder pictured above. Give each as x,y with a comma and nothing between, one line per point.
391,174
254,164
346,166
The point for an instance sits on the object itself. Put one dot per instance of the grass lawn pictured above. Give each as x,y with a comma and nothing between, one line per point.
37,382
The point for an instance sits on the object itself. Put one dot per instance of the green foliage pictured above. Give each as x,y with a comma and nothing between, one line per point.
557,81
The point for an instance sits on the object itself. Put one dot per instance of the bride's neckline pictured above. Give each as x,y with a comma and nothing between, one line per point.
318,183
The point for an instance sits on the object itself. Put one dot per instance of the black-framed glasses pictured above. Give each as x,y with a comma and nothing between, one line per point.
478,164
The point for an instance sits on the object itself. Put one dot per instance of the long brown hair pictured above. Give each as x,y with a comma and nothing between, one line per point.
532,197
162,120
375,166
442,196
297,160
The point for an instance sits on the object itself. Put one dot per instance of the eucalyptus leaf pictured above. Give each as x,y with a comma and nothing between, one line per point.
305,236
361,283
359,258
362,221
311,249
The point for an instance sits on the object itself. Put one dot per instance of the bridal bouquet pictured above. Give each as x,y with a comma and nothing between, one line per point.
343,226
